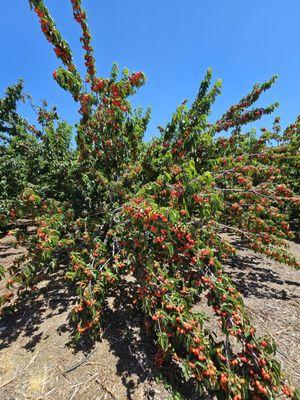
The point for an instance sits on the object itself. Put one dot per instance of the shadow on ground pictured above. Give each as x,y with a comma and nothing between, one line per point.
53,298
255,275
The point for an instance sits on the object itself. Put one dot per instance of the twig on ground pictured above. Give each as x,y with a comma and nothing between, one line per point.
78,364
106,390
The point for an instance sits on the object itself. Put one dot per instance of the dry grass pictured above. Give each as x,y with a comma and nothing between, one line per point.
282,324
8,366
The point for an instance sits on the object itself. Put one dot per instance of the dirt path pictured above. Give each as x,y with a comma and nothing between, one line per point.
37,362
271,293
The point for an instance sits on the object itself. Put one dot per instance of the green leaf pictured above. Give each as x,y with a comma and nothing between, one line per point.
296,395
185,372
170,249
2,271
163,341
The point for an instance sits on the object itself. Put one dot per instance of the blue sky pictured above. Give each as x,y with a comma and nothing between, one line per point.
172,41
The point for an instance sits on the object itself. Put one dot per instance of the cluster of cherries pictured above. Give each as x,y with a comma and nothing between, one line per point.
80,17
61,48
175,277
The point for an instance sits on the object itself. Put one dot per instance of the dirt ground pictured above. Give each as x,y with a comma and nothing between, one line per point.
38,362
271,292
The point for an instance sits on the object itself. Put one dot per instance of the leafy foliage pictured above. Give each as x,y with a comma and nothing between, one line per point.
117,206
38,158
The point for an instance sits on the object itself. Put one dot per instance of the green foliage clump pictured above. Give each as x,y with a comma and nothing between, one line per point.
118,206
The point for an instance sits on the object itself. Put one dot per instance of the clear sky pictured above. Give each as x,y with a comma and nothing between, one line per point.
172,41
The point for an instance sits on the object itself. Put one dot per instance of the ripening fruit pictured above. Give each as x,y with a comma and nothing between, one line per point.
224,379
237,397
